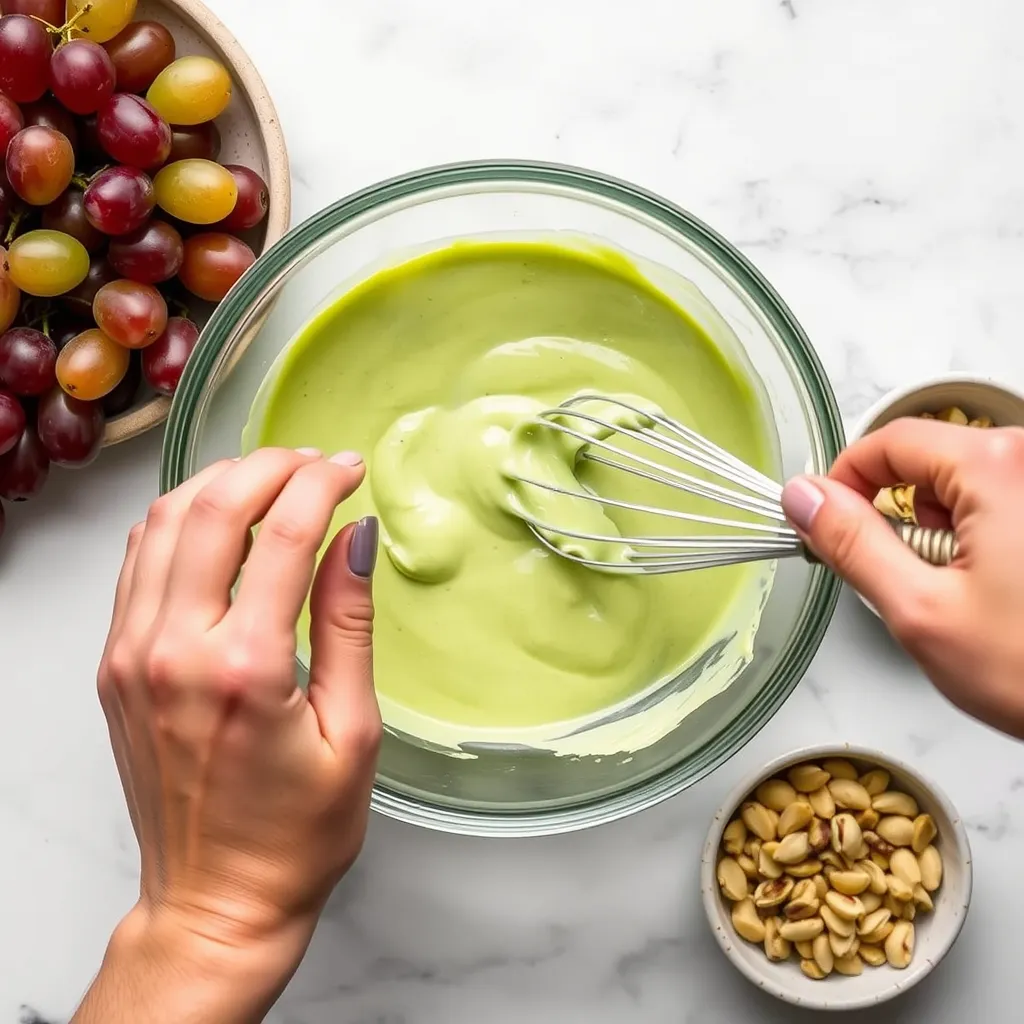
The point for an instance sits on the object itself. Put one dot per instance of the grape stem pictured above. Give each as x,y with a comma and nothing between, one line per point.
81,181
180,307
52,29
12,230
69,26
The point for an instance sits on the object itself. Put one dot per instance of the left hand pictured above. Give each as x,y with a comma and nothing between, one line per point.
248,796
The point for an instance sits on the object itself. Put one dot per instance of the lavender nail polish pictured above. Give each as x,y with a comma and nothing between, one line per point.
362,548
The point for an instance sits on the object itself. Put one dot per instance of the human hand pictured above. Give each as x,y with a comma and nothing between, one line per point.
961,623
249,798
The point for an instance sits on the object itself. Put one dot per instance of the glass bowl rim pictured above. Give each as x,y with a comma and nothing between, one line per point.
824,589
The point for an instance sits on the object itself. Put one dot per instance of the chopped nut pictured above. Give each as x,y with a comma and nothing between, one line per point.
868,819
983,422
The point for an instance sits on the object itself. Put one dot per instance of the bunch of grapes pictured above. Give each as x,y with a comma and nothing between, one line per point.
114,215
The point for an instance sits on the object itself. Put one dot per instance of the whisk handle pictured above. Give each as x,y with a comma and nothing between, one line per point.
936,547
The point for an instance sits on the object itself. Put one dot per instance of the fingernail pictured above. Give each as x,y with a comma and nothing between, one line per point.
801,501
346,459
362,548
315,452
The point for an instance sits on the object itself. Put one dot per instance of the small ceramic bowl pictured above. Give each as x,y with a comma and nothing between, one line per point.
935,932
976,395
250,135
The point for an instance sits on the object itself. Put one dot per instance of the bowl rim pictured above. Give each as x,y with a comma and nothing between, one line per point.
823,591
712,900
153,412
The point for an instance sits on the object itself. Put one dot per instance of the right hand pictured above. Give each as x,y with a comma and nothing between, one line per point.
964,624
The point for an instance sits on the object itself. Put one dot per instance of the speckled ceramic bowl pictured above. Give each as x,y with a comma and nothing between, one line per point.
935,932
250,135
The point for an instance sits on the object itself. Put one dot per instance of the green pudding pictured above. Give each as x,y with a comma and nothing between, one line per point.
434,370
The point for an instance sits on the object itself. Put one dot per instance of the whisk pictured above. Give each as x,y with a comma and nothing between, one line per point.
743,488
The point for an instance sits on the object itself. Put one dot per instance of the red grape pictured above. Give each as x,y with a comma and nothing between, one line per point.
119,200
82,76
164,361
69,429
140,51
150,255
24,469
3,519
27,361
12,421
252,203
50,114
213,262
40,163
132,132
25,51
51,11
67,214
79,301
198,142
12,121
122,398
133,314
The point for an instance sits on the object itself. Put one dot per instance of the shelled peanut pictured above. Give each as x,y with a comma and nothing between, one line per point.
898,502
830,861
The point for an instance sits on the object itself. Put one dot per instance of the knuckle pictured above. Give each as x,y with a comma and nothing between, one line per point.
161,668
119,669
161,511
238,667
288,532
135,535
213,502
1005,447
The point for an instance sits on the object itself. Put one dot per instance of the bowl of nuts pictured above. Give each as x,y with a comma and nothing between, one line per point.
837,878
969,401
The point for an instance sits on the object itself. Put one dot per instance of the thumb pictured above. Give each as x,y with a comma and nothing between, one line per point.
849,535
341,640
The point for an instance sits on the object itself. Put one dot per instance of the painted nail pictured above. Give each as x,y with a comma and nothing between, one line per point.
362,548
801,501
315,452
347,459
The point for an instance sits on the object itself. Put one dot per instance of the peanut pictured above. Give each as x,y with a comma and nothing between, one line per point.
805,869
845,906
776,948
767,866
875,781
794,849
851,883
761,820
898,889
903,864
872,955
822,803
806,778
873,921
732,880
849,793
924,832
822,953
734,837
897,830
871,900
868,819
801,931
749,866
899,946
893,802
776,794
795,817
812,970
837,925
819,834
804,950
839,768
841,945
923,898
846,835
747,921
876,875
772,893
851,965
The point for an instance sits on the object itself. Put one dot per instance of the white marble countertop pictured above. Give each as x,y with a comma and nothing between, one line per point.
866,155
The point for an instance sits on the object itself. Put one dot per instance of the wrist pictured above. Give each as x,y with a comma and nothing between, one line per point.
163,966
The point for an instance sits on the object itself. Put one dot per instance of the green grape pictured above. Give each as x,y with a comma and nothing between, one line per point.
192,90
103,20
196,191
47,263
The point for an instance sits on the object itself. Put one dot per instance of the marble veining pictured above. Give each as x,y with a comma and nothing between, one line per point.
866,155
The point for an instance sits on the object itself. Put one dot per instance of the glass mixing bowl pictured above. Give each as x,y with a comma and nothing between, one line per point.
516,791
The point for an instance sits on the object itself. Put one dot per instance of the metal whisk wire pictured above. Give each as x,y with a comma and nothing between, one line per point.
751,492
